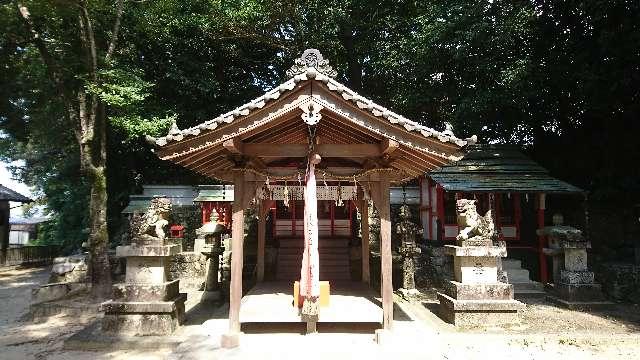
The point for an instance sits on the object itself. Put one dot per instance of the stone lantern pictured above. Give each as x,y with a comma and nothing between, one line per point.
573,283
408,249
212,249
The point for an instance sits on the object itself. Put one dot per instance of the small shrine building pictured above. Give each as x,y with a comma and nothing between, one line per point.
503,180
261,148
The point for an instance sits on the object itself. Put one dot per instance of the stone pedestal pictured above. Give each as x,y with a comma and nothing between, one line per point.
476,297
147,303
574,285
212,290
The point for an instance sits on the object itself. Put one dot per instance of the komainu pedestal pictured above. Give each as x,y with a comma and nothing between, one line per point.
476,297
147,303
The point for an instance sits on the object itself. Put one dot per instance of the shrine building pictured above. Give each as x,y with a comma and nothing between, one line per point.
262,148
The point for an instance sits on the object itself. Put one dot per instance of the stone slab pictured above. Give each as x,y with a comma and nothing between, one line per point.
576,277
230,340
579,292
147,270
460,291
491,251
580,305
92,338
576,245
470,313
127,292
56,291
476,269
474,242
133,250
480,305
575,259
141,307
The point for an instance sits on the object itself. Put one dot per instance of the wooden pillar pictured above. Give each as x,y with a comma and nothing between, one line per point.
544,276
381,198
4,231
232,338
262,229
440,207
364,226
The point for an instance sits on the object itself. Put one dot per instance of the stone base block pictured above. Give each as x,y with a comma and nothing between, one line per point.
147,251
576,277
460,291
578,292
56,291
382,336
230,340
476,251
479,313
211,296
143,318
580,305
146,292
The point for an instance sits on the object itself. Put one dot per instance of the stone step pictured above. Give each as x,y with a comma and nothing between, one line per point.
518,275
323,276
323,257
528,286
529,294
323,264
508,264
293,251
323,242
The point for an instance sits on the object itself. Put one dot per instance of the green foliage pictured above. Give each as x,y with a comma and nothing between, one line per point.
560,78
120,89
134,127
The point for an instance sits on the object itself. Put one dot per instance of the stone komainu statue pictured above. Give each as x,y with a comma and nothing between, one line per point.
148,228
472,225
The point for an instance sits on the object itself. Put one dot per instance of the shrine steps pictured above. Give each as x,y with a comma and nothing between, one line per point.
523,286
334,258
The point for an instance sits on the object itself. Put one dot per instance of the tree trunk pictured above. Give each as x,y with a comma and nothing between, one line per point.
99,237
88,116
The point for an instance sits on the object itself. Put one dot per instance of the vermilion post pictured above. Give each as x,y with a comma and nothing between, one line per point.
544,276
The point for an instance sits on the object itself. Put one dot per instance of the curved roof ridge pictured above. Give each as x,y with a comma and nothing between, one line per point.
312,68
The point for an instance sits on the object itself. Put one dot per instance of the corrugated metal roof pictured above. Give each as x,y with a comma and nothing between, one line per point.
498,168
7,194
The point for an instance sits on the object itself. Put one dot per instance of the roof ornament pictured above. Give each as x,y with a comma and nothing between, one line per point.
174,129
448,129
311,58
311,114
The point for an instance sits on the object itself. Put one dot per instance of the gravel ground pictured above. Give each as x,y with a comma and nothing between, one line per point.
546,332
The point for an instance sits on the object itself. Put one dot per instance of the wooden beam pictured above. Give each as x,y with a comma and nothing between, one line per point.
234,145
388,146
301,150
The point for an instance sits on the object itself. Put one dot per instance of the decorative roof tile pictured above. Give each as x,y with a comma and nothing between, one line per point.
311,66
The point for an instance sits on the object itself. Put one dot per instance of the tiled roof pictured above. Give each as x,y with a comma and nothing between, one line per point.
301,73
498,168
7,194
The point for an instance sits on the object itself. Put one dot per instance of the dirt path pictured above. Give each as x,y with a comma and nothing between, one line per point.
547,332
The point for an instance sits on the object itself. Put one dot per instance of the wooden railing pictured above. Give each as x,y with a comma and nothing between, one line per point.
29,254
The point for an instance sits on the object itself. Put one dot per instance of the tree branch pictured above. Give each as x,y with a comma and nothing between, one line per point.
116,30
91,41
50,64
